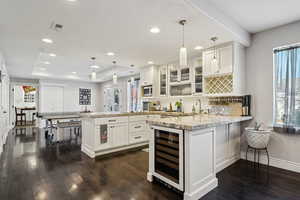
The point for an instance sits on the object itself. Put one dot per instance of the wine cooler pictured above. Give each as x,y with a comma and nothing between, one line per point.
168,156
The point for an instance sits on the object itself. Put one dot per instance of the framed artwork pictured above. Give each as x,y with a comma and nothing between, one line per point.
85,96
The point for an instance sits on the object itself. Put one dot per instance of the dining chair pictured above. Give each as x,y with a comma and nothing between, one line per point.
20,117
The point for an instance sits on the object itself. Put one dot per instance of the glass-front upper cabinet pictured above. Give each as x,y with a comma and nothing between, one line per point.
179,74
198,76
185,74
163,81
174,74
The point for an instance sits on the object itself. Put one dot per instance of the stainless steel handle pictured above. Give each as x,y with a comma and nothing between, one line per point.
112,127
112,120
137,137
137,126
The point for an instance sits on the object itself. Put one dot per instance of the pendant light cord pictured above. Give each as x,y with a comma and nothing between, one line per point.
182,35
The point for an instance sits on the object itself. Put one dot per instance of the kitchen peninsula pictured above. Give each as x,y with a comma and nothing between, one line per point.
108,132
187,152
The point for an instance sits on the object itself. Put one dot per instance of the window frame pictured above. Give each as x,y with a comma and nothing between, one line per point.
294,45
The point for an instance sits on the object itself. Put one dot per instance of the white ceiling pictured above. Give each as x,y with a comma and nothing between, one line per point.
259,15
93,28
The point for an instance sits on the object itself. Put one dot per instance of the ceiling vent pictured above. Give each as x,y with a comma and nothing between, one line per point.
56,27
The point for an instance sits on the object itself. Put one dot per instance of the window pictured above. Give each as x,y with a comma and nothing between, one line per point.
287,87
133,95
112,98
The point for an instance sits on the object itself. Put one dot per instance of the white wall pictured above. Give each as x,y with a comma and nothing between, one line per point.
71,94
259,64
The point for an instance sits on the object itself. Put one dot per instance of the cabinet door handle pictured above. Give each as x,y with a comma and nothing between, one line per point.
112,127
112,120
137,126
137,137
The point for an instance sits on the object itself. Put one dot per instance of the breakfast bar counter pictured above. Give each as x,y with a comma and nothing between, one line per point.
187,152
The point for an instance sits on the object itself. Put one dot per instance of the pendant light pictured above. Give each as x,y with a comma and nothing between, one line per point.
214,61
183,50
93,74
115,77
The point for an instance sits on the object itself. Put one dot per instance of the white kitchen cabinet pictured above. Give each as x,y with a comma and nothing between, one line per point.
227,77
224,61
221,144
105,135
227,145
163,81
119,134
179,75
147,75
209,68
197,73
234,140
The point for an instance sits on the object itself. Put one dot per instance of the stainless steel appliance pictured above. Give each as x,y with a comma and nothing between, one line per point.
168,156
147,91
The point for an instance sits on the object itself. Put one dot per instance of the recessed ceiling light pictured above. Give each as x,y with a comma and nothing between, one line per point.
110,54
47,40
52,54
150,62
74,72
46,62
154,30
94,66
43,68
198,47
71,0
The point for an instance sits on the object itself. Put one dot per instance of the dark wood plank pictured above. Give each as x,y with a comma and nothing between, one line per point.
31,169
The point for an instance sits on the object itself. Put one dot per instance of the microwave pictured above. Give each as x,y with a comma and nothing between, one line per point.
147,91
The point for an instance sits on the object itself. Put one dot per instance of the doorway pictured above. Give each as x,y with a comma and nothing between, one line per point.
24,102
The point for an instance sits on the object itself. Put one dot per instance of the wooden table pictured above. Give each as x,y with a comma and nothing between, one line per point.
56,116
25,109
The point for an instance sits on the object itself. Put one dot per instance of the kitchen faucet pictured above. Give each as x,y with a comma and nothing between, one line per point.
200,106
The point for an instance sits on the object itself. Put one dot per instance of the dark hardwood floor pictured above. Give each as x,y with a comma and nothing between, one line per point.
31,169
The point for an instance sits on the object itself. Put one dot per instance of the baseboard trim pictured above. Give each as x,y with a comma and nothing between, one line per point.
275,162
87,151
202,190
226,163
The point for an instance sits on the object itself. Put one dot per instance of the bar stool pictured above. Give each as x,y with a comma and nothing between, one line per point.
258,141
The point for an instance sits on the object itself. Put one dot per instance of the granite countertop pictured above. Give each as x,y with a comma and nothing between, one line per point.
197,121
121,114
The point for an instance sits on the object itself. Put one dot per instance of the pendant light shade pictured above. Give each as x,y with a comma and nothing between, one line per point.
115,76
183,50
183,56
93,76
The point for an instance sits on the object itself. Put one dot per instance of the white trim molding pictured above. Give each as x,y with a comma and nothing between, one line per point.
275,162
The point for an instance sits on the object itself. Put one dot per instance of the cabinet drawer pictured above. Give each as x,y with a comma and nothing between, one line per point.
137,127
137,137
111,120
137,118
